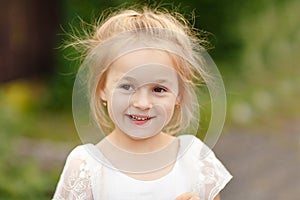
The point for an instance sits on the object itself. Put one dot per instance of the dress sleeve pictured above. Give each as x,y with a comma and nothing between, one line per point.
211,176
75,180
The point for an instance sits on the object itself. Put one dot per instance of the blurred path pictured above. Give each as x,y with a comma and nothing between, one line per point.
265,166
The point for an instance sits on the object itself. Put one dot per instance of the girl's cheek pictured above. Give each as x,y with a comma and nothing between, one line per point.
119,102
169,106
121,99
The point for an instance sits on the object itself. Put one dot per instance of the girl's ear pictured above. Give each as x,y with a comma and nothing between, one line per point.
103,94
178,99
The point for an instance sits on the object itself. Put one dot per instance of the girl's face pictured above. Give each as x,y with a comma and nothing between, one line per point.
141,91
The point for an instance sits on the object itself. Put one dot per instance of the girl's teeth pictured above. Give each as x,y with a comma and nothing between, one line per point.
138,118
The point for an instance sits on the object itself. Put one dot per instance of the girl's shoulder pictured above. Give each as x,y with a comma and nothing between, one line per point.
82,158
77,176
208,173
79,152
192,146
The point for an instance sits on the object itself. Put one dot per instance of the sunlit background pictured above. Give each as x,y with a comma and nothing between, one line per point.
256,45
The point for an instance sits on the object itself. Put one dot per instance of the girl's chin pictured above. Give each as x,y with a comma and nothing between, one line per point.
136,136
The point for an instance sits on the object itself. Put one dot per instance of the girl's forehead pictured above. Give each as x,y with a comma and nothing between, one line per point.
142,57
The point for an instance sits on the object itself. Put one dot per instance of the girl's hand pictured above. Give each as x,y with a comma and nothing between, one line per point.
188,196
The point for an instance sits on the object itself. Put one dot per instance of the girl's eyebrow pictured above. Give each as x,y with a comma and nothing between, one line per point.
125,78
165,81
133,80
162,80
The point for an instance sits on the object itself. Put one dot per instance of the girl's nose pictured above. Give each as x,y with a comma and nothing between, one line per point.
141,99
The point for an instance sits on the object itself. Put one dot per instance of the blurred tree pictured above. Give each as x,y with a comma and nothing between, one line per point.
27,38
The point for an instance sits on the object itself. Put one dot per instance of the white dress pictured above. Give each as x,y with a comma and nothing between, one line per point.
197,170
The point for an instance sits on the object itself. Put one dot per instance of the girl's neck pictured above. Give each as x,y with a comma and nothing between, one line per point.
125,142
147,159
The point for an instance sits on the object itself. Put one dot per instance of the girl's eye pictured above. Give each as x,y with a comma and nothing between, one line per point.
159,90
127,87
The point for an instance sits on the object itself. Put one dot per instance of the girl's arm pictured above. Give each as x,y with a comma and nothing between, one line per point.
192,196
188,196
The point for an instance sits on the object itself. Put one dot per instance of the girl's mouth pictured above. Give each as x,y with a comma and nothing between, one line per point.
139,119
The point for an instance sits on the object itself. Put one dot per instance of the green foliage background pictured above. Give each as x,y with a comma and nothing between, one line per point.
256,47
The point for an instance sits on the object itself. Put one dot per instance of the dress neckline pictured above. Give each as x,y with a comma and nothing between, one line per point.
184,142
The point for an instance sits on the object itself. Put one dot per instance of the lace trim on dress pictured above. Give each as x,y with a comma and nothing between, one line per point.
75,181
212,177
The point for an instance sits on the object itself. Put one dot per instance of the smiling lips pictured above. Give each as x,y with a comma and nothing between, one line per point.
139,119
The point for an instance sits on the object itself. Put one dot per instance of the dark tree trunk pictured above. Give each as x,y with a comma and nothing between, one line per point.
27,35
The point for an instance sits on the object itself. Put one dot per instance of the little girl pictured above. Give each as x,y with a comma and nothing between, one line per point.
135,91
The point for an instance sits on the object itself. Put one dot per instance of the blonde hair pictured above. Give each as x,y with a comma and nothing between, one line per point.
177,31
